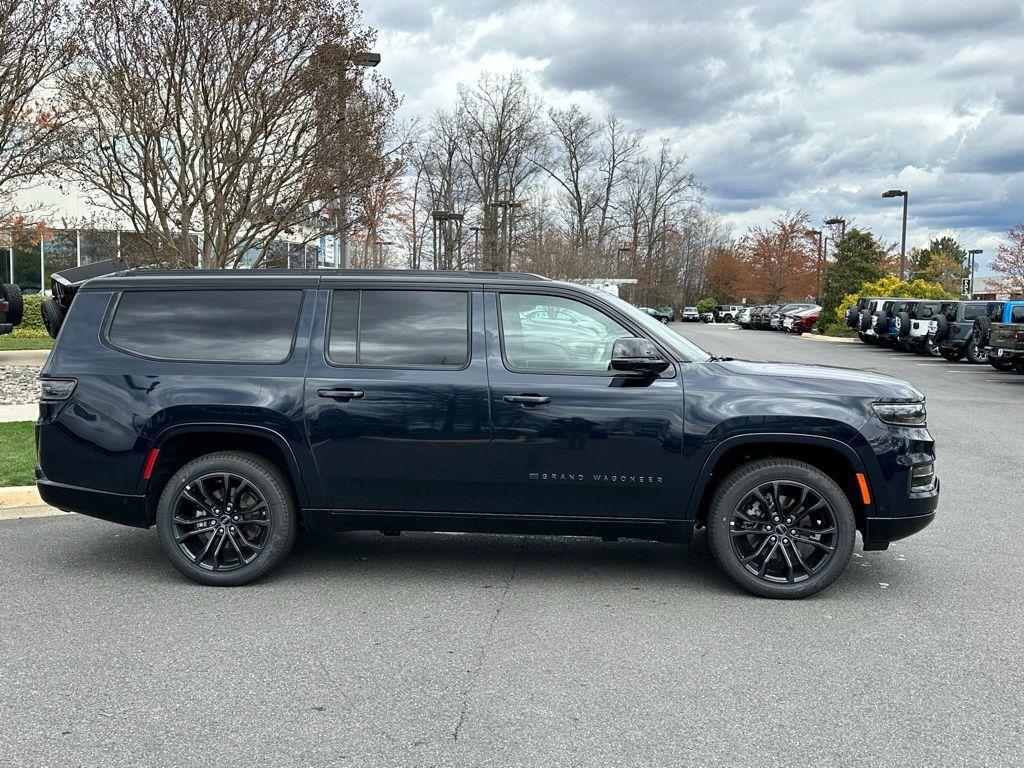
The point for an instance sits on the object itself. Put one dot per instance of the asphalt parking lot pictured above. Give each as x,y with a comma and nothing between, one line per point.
468,650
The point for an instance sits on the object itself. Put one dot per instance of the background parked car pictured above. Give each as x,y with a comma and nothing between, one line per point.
707,317
1003,338
660,315
921,339
11,307
801,320
690,315
743,318
776,318
955,328
762,321
727,313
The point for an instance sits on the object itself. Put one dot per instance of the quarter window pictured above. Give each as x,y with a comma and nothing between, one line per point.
236,326
399,328
551,333
1017,315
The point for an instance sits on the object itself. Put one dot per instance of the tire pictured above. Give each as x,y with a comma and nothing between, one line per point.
204,474
852,318
1000,365
792,476
865,320
941,328
931,347
16,304
880,323
982,331
902,324
53,316
865,338
975,354
951,354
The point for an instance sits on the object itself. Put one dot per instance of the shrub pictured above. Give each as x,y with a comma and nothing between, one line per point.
706,305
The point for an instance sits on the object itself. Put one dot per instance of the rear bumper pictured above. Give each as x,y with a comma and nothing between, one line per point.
1003,353
113,507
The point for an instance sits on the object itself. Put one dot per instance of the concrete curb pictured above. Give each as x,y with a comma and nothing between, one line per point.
23,412
832,339
20,496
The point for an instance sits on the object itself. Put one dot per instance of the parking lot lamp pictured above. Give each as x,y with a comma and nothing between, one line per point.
841,223
817,233
903,241
971,254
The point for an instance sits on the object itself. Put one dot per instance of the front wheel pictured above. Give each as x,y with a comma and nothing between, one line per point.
781,528
1000,365
226,519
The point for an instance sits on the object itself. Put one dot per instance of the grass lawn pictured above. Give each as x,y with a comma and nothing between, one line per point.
9,342
17,453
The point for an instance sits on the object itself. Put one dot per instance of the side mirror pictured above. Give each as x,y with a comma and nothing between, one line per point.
637,356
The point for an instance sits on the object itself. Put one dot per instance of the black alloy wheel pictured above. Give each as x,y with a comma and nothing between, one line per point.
226,518
781,528
220,521
783,532
931,347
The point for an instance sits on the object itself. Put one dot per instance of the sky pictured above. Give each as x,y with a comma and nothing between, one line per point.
778,105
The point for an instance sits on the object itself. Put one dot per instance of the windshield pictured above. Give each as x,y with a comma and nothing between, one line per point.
684,349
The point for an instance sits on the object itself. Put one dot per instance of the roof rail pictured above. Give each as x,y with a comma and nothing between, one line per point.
427,274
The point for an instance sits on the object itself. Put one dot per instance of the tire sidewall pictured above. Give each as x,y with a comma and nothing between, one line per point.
266,478
739,484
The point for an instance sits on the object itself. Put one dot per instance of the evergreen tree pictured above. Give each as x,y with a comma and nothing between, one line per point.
858,260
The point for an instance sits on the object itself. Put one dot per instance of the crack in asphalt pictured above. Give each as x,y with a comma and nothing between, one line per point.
485,643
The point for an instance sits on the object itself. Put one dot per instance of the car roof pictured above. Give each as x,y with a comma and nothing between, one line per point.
300,278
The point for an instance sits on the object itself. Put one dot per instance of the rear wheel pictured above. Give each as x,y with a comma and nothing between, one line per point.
975,354
1000,365
781,528
226,519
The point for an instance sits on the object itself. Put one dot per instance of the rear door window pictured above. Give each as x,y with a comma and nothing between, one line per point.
1017,314
229,326
974,311
403,329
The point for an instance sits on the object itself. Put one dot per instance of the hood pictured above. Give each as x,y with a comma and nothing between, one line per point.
822,379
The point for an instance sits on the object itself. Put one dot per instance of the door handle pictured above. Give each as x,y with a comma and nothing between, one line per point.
341,393
527,399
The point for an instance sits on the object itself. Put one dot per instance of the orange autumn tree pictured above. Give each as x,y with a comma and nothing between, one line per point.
780,259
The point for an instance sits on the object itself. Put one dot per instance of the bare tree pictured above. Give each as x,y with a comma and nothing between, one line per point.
233,120
36,43
501,129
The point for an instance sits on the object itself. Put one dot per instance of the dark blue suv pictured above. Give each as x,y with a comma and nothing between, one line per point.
232,410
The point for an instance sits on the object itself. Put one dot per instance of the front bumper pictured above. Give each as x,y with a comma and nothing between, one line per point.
113,507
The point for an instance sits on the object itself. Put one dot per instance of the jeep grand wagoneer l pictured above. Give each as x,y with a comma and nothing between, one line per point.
233,409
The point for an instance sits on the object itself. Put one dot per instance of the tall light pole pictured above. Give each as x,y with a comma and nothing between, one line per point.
903,242
817,233
841,223
971,254
364,59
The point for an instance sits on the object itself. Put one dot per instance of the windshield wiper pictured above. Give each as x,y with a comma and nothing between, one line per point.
717,359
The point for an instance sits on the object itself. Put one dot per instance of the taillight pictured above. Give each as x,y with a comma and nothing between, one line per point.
1018,336
56,389
955,327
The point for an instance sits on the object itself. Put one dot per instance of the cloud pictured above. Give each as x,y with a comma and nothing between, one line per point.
941,18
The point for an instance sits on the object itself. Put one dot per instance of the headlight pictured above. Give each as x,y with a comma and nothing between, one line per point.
901,414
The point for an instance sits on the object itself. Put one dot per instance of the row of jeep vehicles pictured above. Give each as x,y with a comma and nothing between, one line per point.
976,331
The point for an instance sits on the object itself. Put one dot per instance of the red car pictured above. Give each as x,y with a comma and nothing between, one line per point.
801,321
